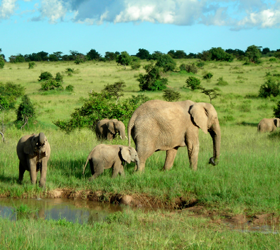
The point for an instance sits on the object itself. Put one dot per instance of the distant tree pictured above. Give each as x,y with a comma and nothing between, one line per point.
25,111
2,62
277,54
265,51
93,55
56,56
178,54
236,53
270,88
193,83
192,55
124,59
219,54
110,56
16,59
156,55
205,56
166,62
115,90
43,55
171,95
143,54
253,53
211,93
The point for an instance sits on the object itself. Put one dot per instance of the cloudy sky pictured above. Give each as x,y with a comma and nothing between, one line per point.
28,26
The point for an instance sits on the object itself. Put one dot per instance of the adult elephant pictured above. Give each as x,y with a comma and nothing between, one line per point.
268,125
159,125
107,129
33,152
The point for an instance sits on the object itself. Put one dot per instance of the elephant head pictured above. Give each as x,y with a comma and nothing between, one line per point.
205,117
276,122
35,144
129,154
114,126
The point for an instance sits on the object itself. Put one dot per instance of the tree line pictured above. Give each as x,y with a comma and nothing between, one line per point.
212,54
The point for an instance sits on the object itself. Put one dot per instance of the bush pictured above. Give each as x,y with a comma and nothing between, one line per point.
45,76
208,76
270,87
200,64
124,59
135,65
222,82
69,88
166,62
31,65
25,110
193,83
152,81
99,106
171,95
59,77
51,84
2,62
115,89
276,110
9,94
191,68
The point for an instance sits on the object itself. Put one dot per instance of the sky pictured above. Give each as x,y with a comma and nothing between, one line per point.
31,26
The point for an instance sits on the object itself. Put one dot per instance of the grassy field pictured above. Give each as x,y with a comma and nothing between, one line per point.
246,181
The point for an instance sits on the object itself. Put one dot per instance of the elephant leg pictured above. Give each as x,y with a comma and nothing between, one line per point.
193,149
33,172
96,170
117,169
170,156
21,172
43,171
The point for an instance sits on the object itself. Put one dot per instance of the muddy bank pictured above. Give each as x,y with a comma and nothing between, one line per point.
178,205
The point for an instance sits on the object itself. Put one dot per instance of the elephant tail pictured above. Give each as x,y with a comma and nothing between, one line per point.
85,166
129,128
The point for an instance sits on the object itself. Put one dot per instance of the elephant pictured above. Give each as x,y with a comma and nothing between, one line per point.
165,126
268,125
33,152
107,129
107,156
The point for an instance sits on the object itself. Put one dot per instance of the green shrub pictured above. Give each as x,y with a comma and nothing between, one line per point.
9,93
166,62
25,110
191,68
124,59
2,62
59,77
31,65
69,88
152,81
269,88
200,64
51,84
45,76
222,82
135,65
115,90
273,59
171,95
193,83
208,76
276,110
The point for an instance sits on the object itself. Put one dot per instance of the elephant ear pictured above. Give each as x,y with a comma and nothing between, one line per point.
276,122
28,147
111,127
125,153
203,115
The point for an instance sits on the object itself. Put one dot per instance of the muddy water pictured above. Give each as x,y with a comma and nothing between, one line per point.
55,209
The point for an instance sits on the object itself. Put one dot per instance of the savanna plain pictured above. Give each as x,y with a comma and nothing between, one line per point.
187,209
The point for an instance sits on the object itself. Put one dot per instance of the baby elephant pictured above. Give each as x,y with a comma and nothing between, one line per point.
33,152
107,156
268,125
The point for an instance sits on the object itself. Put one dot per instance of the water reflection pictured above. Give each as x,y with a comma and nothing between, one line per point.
55,209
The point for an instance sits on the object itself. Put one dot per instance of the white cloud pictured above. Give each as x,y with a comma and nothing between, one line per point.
53,10
7,8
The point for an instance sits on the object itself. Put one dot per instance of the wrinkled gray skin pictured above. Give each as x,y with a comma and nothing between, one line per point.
159,125
33,152
268,125
110,156
107,129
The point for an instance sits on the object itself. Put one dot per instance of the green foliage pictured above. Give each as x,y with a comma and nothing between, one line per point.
171,95
166,62
221,82
58,77
190,68
207,76
9,93
253,54
99,106
152,81
26,110
31,65
200,64
219,54
135,65
45,76
276,110
277,54
211,93
69,88
193,83
2,62
124,59
115,90
93,55
269,88
143,54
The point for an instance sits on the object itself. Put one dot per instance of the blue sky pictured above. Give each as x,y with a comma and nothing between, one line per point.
28,26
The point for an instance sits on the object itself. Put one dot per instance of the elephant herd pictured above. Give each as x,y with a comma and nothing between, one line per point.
154,126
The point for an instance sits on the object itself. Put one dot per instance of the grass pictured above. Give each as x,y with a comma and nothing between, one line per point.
245,181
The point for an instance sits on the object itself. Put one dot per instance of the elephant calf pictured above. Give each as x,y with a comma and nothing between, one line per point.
108,156
33,152
107,129
268,125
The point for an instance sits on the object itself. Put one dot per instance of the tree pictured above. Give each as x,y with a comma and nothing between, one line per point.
276,110
193,83
166,62
2,62
115,90
270,87
219,54
56,56
143,54
25,111
171,95
93,55
110,56
253,53
211,93
152,81
9,93
124,59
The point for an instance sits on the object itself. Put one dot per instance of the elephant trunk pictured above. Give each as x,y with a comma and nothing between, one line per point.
215,133
122,134
42,139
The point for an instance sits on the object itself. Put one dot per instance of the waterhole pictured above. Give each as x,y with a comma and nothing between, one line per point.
56,209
